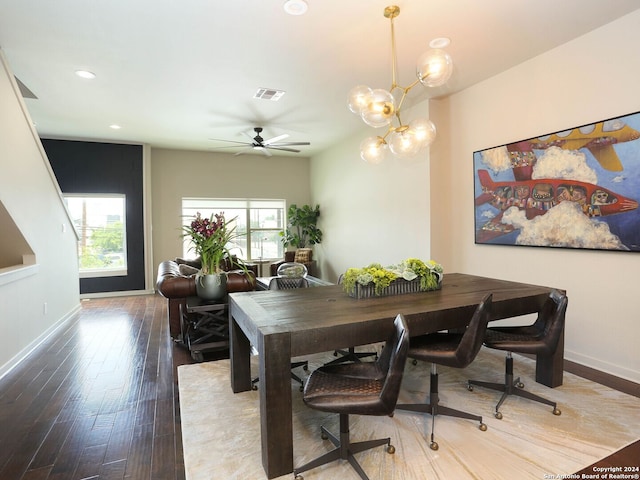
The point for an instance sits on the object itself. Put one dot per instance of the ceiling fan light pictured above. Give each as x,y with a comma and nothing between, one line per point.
296,7
434,67
379,110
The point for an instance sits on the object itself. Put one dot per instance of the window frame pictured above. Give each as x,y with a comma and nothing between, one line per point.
121,270
207,206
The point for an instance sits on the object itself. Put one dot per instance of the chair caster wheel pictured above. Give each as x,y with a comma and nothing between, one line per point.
305,368
415,362
483,427
520,385
324,436
302,388
335,354
254,387
298,477
391,449
498,415
556,411
434,446
470,387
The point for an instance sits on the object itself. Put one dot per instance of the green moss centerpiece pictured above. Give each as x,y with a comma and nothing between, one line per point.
409,276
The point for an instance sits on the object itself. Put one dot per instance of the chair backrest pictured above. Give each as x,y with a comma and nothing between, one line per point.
473,336
552,315
391,361
286,283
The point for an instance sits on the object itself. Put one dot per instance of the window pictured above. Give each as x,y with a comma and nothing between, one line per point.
259,222
100,221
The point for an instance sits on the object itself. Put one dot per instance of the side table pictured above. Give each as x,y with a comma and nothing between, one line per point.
204,326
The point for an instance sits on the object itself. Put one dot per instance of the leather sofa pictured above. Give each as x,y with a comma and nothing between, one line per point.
176,285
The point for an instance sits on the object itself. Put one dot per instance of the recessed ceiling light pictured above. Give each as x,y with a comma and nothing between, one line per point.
440,42
115,127
85,74
295,7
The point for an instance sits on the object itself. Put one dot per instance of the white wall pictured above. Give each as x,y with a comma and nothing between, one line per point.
370,213
34,301
180,173
592,78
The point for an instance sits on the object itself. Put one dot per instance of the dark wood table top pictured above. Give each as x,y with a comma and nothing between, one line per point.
319,319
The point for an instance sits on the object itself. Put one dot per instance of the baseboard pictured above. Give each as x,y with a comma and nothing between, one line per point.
22,354
603,378
129,293
617,370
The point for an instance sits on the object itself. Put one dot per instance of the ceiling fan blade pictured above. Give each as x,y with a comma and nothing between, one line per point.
276,139
244,150
284,149
229,141
288,144
246,145
253,140
264,151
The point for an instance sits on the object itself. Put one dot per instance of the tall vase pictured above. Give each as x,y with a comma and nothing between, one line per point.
211,286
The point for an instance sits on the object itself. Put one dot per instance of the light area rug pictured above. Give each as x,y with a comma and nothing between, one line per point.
221,430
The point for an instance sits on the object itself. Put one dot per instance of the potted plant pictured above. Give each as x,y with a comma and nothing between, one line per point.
409,276
210,237
301,226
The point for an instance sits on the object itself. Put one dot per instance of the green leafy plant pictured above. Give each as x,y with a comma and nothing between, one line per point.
301,226
381,277
210,237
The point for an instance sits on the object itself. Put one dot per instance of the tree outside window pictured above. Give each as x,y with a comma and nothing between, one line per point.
100,221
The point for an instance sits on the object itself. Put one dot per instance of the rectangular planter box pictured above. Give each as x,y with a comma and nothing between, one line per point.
397,287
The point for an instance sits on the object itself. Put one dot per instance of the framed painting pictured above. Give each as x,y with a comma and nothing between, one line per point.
578,188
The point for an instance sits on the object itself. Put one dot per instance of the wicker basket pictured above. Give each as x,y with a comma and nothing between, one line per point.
399,286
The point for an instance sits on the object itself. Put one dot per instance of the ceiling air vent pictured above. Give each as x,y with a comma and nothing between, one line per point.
26,93
269,94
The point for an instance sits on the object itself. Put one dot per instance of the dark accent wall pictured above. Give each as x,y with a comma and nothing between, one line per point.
91,167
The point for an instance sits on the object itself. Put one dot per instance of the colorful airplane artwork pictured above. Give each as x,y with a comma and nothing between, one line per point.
598,138
537,197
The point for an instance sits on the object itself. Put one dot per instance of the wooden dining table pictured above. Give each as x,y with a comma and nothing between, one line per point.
281,324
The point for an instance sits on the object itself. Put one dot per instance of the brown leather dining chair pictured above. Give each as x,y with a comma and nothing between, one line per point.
541,337
451,349
362,388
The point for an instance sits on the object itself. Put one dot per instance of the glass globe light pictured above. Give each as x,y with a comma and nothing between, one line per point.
373,150
424,130
380,109
434,67
358,98
404,143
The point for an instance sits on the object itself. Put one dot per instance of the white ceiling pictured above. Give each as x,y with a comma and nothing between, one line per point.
177,73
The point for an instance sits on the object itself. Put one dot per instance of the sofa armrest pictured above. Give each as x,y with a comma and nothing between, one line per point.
171,284
241,281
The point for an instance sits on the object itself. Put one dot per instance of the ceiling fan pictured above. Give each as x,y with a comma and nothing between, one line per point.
262,145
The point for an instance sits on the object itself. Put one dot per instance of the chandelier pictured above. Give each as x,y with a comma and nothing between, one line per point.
380,108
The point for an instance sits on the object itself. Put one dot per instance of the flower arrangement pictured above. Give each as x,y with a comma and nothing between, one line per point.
210,237
429,274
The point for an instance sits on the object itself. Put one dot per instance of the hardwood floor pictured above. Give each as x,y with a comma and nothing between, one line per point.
99,400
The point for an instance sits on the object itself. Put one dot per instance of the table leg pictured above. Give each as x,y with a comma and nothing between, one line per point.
276,420
240,355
